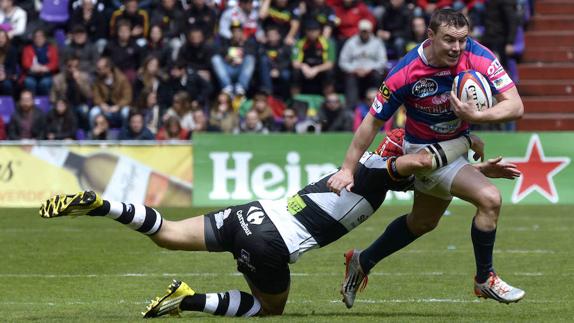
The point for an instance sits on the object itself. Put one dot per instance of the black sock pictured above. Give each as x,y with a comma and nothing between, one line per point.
230,303
396,236
136,216
483,244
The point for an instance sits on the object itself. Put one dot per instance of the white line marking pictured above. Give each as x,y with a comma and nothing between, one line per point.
295,274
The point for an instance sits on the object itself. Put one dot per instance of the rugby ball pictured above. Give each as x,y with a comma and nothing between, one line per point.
471,85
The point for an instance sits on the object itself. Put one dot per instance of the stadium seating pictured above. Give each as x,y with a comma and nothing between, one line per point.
7,107
547,71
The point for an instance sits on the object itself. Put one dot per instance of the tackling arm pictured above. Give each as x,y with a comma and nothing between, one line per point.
361,141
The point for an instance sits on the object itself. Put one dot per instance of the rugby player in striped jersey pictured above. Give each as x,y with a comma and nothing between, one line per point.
266,236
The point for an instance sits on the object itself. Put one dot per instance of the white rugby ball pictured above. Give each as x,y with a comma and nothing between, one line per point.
472,86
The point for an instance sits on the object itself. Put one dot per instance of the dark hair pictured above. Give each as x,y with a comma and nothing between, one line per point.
447,17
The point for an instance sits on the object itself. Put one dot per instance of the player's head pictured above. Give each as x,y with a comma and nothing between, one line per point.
448,31
392,145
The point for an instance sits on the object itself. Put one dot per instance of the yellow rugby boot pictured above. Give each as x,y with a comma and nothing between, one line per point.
71,204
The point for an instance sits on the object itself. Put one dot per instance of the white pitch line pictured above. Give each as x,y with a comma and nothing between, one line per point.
294,274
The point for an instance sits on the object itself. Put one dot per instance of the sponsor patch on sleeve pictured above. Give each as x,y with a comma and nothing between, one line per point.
385,92
502,82
377,105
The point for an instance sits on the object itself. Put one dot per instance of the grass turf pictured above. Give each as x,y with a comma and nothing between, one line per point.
94,269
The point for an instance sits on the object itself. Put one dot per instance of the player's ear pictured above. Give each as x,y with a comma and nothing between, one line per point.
430,33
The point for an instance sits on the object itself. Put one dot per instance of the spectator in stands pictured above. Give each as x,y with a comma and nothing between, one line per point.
363,60
474,10
247,16
61,122
500,26
202,123
73,85
149,76
234,61
202,16
169,18
333,116
100,129
13,19
275,64
157,46
252,124
180,81
363,107
146,104
289,123
418,32
136,129
94,22
172,130
349,13
285,17
112,93
321,12
39,64
27,122
263,109
8,64
395,27
138,19
196,53
430,6
124,51
181,108
3,135
81,47
222,115
313,61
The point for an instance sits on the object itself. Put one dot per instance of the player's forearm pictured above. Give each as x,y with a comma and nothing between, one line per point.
361,141
508,108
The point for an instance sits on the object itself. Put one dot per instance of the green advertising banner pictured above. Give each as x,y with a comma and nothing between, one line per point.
232,169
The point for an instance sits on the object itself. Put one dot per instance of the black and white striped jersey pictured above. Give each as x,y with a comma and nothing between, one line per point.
315,216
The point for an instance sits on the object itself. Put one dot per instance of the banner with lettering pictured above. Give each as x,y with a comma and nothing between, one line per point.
232,169
155,175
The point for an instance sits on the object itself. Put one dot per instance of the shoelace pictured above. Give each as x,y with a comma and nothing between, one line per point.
499,286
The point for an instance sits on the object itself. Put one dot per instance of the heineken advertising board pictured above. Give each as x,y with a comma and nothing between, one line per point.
232,169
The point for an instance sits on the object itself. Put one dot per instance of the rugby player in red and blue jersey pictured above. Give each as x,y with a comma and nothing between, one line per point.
422,82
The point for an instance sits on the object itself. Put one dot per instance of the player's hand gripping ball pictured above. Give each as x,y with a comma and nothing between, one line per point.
472,86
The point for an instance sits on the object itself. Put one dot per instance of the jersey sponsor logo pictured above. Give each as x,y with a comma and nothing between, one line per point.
385,92
242,223
501,82
295,204
425,87
245,259
377,105
220,217
255,215
441,99
446,127
494,68
434,109
443,73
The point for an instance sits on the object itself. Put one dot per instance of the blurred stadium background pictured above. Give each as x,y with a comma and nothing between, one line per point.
185,141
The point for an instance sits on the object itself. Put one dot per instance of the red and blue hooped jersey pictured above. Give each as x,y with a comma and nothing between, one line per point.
424,90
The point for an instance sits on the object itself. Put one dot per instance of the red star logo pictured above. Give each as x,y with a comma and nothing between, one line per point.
537,172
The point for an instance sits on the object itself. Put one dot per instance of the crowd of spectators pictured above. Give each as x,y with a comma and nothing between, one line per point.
166,69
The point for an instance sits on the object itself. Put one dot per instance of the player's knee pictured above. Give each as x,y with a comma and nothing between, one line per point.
490,199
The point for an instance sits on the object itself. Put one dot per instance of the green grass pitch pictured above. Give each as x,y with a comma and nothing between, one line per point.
94,269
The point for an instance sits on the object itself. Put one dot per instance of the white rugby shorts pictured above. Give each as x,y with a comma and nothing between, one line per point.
436,183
